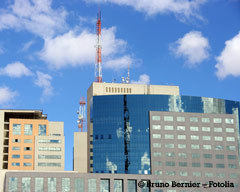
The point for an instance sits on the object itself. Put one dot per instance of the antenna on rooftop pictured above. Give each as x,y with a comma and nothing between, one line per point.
126,80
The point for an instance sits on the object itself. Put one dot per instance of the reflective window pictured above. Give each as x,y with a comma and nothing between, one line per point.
207,156
168,127
195,155
194,137
196,174
39,184
219,156
156,136
16,129
220,175
205,120
15,156
15,148
232,166
118,185
218,138
209,165
182,164
27,140
156,145
233,175
230,138
206,138
157,163
15,164
182,155
156,127
194,128
104,185
27,156
49,141
219,147
157,154
65,184
181,128
28,129
170,173
231,148
180,119
49,164
208,174
229,130
92,185
181,146
183,173
49,156
13,184
217,129
79,185
49,148
232,157
27,164
196,164
218,165
51,184
206,129
27,148
26,184
156,118
169,145
208,147
229,121
132,185
158,172
193,119
217,120
170,154
42,130
195,146
181,137
168,118
16,140
168,136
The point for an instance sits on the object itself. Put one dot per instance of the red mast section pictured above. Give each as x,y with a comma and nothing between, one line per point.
98,64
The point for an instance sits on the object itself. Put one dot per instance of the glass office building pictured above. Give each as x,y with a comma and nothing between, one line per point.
121,127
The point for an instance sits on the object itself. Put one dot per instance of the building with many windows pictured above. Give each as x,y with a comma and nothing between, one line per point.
30,141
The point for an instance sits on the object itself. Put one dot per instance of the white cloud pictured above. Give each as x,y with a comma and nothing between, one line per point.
184,8
15,70
72,49
229,60
6,95
35,16
193,47
119,63
143,79
27,45
44,81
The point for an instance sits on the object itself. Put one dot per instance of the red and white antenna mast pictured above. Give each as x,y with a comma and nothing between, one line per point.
81,114
98,64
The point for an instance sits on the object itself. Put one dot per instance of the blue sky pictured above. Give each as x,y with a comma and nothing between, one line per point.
47,50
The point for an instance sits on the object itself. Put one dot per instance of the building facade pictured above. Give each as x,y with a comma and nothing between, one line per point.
30,141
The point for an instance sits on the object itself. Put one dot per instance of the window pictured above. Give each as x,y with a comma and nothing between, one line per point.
168,118
28,129
220,175
196,174
156,127
195,146
182,155
205,120
193,119
49,164
206,138
207,156
206,129
49,149
92,185
157,154
156,136
207,147
180,119
118,185
208,165
132,185
16,129
49,156
27,164
217,120
181,128
39,184
157,172
15,148
42,130
170,154
156,118
157,163
26,184
183,173
233,175
219,147
170,173
15,156
229,121
51,184
229,130
168,127
27,156
65,184
194,128
182,164
194,137
16,140
232,166
181,146
15,164
49,141
195,155
208,174
79,185
232,157
218,129
218,138
218,165
181,137
13,184
169,145
168,136
27,148
196,164
231,148
27,140
230,139
156,145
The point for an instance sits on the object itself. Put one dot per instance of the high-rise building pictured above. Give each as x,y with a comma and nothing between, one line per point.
30,141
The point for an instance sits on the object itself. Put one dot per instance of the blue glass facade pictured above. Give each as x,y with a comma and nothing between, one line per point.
121,139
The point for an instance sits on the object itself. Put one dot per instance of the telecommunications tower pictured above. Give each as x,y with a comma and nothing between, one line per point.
98,64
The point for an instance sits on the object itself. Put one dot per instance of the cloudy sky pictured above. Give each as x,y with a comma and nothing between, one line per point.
47,50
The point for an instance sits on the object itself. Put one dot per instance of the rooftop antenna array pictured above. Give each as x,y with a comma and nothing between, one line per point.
98,64
81,114
126,80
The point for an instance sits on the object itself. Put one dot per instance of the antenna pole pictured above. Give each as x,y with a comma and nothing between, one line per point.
98,64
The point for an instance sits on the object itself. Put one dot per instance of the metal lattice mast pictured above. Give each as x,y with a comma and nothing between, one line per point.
81,114
98,64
